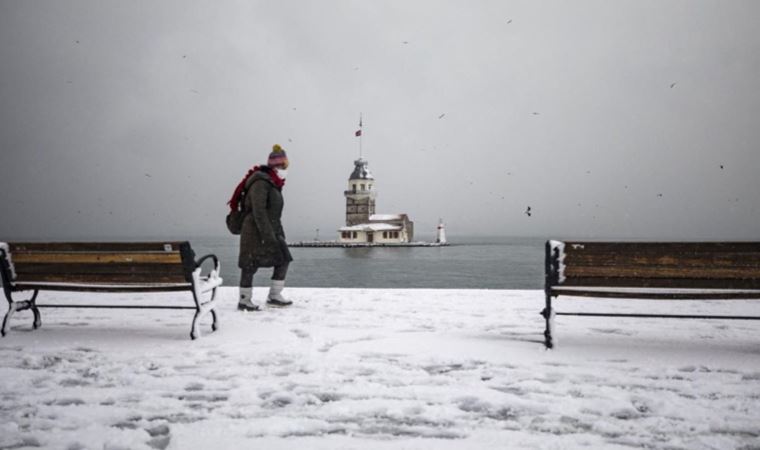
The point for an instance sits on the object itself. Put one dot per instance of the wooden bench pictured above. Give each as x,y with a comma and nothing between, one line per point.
106,267
650,270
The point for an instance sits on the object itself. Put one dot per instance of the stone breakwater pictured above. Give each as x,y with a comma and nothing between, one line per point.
323,244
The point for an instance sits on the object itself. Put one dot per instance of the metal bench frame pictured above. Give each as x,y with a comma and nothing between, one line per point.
197,284
554,286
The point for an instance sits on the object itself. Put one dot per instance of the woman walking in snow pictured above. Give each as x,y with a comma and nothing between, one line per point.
262,238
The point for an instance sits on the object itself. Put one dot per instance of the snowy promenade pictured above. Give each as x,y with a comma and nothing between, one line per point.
388,369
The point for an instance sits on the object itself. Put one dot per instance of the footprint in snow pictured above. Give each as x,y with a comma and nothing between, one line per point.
300,333
555,364
641,405
625,414
67,402
194,387
612,331
514,390
159,442
125,425
158,430
442,368
73,382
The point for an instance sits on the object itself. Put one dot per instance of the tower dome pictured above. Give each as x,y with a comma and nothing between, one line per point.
361,171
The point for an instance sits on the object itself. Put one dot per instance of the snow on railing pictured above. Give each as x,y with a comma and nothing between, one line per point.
205,284
558,248
5,248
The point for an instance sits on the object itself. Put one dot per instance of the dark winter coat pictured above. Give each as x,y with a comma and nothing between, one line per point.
262,239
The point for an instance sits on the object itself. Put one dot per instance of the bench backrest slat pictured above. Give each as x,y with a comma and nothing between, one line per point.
99,278
114,268
19,258
116,263
720,265
95,246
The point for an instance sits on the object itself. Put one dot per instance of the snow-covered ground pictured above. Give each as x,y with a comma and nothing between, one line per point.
356,368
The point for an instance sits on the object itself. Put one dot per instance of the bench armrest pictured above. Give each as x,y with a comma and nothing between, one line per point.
199,262
203,284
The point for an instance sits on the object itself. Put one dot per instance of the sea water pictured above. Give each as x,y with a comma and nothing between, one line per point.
469,263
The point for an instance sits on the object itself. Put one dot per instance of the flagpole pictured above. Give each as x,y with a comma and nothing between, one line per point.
361,134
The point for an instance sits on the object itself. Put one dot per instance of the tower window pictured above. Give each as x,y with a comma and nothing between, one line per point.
363,186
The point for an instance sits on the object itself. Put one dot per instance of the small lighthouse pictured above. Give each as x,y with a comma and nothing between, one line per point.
440,237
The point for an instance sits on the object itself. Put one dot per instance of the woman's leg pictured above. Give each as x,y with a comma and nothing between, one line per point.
245,302
246,277
280,271
275,297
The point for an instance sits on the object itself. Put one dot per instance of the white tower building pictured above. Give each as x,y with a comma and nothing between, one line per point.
363,226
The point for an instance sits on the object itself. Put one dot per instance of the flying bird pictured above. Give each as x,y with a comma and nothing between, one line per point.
527,212
148,175
672,85
536,113
721,166
441,116
509,21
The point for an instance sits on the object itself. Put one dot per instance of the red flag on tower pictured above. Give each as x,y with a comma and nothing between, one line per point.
359,131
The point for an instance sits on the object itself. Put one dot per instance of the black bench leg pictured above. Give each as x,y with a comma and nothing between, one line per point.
7,318
194,329
21,306
214,325
548,314
37,318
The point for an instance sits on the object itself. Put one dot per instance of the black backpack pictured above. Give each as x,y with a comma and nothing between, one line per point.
235,218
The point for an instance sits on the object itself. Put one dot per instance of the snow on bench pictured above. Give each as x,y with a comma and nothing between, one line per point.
650,270
106,267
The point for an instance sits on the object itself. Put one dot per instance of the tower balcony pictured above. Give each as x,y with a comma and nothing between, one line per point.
360,192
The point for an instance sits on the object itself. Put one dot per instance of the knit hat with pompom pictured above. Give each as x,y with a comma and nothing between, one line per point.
278,158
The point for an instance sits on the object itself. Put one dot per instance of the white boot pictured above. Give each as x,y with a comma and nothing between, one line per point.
275,297
244,302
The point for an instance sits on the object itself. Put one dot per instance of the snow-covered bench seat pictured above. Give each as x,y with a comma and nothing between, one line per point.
650,270
106,267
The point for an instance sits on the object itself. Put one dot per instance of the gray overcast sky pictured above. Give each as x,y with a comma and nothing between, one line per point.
611,119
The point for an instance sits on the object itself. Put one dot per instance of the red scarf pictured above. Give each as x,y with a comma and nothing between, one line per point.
236,196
